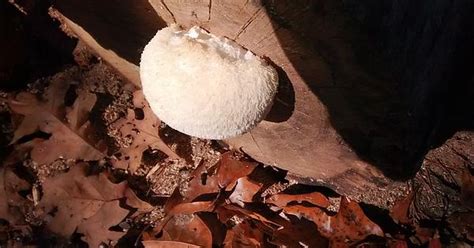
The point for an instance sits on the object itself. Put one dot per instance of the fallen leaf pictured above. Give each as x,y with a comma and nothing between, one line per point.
467,189
75,200
135,202
10,200
217,228
77,116
188,228
96,228
435,243
177,204
315,214
226,173
244,191
401,210
424,234
283,199
143,131
65,125
228,211
463,224
167,244
229,169
398,244
192,207
34,109
282,230
349,225
13,185
201,183
244,235
298,233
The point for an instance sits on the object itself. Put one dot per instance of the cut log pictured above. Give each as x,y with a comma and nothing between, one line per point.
339,119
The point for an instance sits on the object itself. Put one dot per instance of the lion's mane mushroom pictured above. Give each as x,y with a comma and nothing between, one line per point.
205,86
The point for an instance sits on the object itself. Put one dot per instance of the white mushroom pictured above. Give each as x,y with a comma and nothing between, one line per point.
205,86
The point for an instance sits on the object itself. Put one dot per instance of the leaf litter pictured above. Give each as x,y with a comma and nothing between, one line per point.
89,163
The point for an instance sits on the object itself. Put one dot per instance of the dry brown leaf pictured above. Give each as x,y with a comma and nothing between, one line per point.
217,228
75,200
298,233
244,191
435,243
135,202
96,228
424,234
144,133
201,183
78,114
77,118
398,244
177,204
167,244
13,185
192,207
230,169
463,223
10,185
244,235
34,109
49,115
401,210
226,173
349,225
467,189
4,207
188,228
228,211
314,198
282,232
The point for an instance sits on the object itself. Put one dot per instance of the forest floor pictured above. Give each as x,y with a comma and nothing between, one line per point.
84,162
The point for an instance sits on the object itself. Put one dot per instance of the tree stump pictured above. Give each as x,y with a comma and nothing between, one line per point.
340,118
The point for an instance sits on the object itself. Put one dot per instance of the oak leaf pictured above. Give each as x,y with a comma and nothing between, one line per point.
188,228
96,228
349,225
135,202
244,235
400,212
167,244
88,203
10,200
244,191
223,176
314,198
48,114
143,130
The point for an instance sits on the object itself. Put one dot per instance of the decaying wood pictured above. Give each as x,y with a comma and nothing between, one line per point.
303,141
337,120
